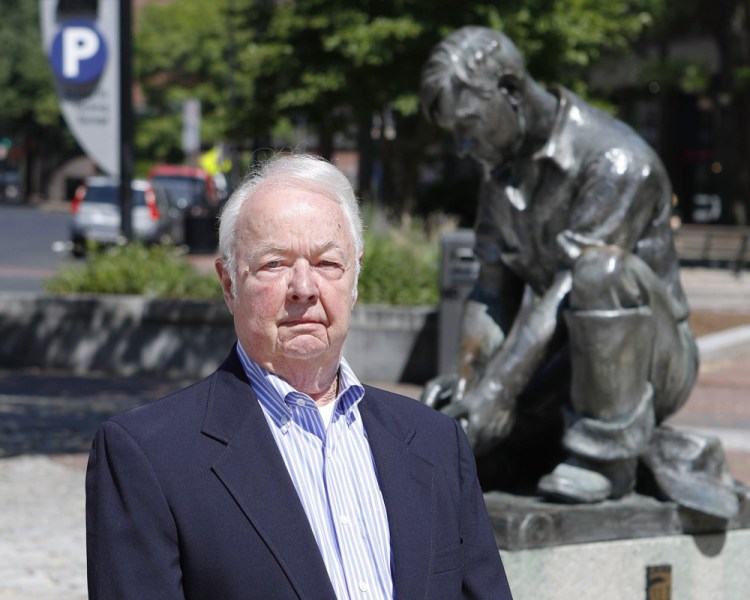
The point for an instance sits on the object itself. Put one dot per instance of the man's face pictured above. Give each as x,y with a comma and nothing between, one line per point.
295,278
483,122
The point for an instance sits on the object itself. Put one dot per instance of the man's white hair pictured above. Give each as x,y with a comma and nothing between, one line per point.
302,171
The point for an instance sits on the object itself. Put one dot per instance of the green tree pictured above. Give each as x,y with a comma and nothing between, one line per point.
29,112
346,67
703,99
180,52
339,62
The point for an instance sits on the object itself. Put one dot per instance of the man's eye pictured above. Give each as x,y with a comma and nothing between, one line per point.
272,264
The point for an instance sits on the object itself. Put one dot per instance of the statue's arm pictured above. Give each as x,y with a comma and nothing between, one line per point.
490,405
487,316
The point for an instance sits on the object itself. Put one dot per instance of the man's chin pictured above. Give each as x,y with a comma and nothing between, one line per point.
304,347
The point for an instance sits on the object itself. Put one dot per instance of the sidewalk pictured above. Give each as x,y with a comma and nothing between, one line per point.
47,420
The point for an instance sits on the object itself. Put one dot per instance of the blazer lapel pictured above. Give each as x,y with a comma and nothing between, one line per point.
406,484
253,472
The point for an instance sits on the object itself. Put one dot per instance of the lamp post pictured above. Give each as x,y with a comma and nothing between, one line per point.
126,120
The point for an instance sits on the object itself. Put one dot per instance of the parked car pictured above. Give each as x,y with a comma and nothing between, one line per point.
195,193
96,214
193,188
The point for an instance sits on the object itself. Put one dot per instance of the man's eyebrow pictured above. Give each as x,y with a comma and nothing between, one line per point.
262,249
331,245
271,248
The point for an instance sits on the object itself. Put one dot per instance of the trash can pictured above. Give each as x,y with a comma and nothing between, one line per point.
459,270
201,233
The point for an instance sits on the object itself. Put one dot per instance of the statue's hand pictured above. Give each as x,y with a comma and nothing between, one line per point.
485,413
489,415
443,390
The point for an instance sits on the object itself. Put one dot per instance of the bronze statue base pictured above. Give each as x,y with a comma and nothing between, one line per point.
526,522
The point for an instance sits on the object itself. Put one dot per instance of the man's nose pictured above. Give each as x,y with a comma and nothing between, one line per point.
302,286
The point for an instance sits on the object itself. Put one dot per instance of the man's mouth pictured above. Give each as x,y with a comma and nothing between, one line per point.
300,322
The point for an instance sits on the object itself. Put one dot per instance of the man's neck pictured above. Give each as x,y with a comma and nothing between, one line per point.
320,383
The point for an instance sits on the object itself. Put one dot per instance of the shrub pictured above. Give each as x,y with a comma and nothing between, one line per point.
400,266
154,271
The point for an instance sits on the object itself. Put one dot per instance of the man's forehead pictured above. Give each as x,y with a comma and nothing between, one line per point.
291,190
277,247
272,197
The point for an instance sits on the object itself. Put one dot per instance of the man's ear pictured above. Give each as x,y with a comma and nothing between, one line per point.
226,282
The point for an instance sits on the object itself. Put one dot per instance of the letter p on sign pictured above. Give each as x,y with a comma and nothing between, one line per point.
79,53
79,44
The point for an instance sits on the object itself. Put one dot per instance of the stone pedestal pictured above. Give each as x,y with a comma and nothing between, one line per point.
632,549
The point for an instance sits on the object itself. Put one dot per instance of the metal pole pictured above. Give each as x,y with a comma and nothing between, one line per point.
126,120
235,171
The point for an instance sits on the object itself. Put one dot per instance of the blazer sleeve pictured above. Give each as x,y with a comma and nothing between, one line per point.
131,537
484,574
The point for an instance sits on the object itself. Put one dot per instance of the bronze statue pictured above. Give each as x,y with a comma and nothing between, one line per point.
575,343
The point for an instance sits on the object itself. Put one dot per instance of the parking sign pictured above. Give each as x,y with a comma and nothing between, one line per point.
79,53
82,42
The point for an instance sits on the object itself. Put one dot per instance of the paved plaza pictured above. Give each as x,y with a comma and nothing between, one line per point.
47,420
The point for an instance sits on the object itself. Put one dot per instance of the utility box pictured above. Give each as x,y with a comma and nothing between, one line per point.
459,270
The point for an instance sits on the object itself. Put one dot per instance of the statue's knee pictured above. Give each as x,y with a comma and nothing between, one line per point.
603,281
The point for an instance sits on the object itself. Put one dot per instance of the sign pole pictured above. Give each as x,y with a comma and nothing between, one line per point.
126,120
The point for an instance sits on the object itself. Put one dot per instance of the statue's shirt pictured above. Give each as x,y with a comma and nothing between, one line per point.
595,182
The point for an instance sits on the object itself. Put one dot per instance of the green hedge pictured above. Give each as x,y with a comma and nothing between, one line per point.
154,271
400,266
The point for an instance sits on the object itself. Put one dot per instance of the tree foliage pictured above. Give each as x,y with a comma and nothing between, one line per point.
317,55
334,64
29,110
180,54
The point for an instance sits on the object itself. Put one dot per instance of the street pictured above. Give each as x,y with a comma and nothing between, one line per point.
27,237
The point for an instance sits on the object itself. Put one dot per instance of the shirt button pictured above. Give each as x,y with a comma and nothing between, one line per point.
300,402
345,520
363,587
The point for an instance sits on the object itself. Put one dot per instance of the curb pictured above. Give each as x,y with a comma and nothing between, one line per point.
724,344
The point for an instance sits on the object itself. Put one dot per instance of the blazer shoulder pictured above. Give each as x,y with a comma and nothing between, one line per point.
170,412
410,412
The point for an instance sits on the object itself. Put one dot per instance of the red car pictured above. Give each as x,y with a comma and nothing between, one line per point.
192,188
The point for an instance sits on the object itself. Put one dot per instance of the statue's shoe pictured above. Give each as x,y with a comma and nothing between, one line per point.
573,484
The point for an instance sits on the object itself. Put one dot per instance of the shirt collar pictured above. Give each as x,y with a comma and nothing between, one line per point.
277,396
559,146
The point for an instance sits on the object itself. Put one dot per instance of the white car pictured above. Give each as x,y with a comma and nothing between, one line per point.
96,214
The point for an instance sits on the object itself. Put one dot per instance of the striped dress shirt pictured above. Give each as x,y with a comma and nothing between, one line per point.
335,477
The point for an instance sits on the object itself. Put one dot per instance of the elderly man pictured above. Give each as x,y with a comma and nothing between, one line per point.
281,475
579,303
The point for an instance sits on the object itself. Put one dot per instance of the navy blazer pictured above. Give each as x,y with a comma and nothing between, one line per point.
189,498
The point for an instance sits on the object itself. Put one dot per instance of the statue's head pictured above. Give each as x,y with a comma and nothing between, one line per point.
473,85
